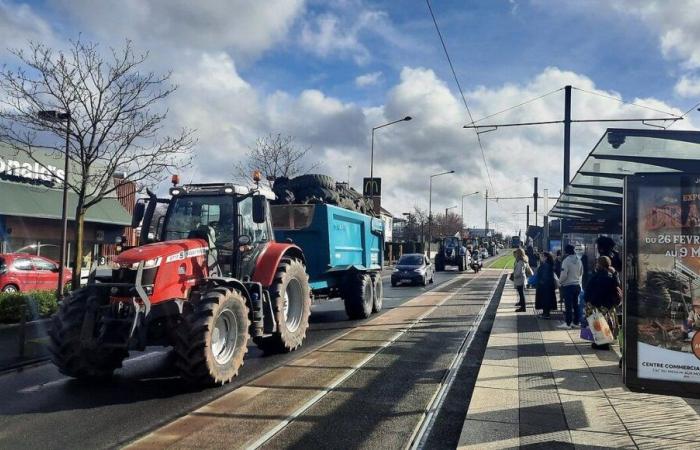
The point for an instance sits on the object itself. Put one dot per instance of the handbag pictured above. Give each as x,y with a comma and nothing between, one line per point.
557,284
586,334
528,271
599,327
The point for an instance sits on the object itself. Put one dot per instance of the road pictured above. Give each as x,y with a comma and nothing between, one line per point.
43,409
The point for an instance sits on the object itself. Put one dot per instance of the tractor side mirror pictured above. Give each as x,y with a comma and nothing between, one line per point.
259,209
139,211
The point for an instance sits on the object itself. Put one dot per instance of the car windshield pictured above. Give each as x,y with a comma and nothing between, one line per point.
411,260
451,242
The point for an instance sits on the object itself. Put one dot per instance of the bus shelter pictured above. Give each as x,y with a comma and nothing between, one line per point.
642,188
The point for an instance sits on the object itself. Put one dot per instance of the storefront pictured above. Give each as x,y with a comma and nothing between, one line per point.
30,210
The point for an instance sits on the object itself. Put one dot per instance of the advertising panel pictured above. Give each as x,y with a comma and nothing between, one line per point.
662,301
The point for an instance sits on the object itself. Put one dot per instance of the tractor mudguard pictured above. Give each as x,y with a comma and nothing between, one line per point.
269,260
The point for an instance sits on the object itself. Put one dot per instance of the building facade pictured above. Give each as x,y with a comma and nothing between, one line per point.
31,198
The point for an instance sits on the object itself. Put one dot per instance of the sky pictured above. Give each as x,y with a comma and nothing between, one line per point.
326,72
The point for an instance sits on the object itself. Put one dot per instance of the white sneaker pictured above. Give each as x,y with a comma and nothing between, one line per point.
575,326
563,326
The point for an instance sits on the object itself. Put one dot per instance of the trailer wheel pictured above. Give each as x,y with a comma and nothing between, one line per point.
377,293
358,296
212,340
461,263
290,295
68,352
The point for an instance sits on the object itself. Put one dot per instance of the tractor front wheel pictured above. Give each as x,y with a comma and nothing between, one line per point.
377,293
212,340
290,295
68,351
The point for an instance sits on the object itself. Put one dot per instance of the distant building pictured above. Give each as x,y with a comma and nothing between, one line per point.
480,232
388,220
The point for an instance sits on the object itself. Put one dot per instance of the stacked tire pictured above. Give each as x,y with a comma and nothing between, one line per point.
317,188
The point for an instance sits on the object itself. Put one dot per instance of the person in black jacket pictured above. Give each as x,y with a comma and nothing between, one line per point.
602,291
545,294
606,247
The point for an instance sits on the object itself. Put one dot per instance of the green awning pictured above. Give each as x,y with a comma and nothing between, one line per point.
26,200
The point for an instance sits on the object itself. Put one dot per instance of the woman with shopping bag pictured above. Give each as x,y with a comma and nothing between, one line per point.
602,295
519,276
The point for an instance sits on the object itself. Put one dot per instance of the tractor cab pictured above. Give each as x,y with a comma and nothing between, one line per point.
233,221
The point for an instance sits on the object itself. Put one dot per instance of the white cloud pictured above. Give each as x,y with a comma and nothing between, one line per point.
688,86
242,27
19,23
368,79
677,23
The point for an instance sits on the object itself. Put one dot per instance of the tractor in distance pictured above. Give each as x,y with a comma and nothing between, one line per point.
207,278
451,253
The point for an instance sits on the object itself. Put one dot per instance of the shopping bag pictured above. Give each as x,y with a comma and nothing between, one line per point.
586,334
599,328
532,281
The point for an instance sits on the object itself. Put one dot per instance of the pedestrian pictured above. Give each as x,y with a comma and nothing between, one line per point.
570,282
519,277
531,260
557,264
606,247
603,293
545,293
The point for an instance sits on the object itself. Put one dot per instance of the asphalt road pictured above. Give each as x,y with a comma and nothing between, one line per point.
40,408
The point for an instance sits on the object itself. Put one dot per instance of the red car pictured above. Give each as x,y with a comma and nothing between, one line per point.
20,272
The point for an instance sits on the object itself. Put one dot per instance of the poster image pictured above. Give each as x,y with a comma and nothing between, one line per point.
667,276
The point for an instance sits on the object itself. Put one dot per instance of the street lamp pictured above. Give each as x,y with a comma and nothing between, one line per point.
371,158
430,207
349,167
56,116
466,195
446,210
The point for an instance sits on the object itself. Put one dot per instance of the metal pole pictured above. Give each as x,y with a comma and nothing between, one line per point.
527,217
567,133
64,217
534,199
349,167
430,214
486,213
371,167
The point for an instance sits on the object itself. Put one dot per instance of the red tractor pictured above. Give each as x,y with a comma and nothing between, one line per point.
208,278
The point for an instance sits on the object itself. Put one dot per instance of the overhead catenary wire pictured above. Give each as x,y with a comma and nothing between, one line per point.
627,103
461,92
518,105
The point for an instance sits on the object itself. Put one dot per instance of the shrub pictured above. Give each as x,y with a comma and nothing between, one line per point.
38,304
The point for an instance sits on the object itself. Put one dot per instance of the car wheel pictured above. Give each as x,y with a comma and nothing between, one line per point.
10,289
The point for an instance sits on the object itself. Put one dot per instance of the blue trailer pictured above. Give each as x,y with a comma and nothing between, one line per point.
343,252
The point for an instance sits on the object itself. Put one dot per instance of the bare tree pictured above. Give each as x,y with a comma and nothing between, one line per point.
447,225
275,156
115,120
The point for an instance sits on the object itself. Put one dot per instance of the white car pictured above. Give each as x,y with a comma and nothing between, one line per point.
484,253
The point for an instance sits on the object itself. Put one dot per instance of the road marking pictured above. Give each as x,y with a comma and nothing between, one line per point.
326,390
38,387
422,430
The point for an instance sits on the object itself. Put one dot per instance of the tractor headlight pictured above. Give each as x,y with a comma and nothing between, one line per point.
150,263
396,270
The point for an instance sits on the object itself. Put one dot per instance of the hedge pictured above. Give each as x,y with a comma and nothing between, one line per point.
38,304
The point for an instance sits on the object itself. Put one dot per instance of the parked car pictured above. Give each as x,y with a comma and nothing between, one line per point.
20,272
484,253
414,268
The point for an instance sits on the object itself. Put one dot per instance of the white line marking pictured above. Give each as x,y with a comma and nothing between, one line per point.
262,440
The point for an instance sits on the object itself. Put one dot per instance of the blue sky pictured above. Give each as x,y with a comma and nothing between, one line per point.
326,72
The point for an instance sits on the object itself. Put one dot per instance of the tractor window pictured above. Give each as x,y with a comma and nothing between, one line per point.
451,242
189,213
258,232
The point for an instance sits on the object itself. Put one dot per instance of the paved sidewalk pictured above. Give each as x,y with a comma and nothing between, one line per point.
540,387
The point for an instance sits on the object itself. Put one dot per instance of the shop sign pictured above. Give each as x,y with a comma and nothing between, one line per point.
662,301
30,172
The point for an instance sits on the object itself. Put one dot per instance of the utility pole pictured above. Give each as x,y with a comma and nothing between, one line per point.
527,217
486,213
567,134
534,198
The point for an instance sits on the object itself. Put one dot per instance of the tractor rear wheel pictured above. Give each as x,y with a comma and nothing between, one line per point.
68,351
377,293
212,340
358,296
461,263
439,263
290,295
